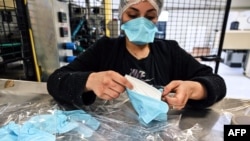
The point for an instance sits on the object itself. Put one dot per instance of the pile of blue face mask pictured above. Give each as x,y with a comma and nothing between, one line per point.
44,127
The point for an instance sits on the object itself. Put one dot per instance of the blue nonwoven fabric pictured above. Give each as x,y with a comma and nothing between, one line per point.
8,132
16,132
43,127
30,133
52,123
148,108
64,121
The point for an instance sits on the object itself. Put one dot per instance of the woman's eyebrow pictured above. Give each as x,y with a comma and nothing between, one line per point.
135,9
132,8
150,10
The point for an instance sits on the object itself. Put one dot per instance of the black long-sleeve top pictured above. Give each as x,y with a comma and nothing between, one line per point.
166,61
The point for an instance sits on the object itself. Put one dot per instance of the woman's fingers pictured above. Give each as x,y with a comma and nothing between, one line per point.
107,84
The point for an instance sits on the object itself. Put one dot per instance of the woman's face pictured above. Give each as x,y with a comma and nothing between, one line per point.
142,9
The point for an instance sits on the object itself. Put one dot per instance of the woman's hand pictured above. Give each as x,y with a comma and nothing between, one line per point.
183,90
107,85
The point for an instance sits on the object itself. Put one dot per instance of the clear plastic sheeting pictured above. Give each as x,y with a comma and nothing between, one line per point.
119,121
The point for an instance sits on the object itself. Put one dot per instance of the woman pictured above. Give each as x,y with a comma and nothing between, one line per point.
100,70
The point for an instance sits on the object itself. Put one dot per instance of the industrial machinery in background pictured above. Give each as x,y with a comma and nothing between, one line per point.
66,30
86,24
15,43
59,30
50,24
43,35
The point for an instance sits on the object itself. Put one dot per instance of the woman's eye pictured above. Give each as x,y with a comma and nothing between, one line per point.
149,17
132,16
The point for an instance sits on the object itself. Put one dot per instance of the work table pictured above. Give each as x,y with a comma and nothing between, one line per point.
118,120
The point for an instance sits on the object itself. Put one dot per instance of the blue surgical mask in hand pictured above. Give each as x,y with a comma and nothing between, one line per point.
146,100
140,31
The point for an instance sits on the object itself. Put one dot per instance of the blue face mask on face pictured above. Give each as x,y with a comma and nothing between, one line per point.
140,31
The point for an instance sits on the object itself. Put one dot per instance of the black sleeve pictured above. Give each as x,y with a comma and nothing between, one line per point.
216,91
66,84
189,68
66,87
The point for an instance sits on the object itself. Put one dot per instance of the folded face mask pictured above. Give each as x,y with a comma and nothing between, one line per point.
146,100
